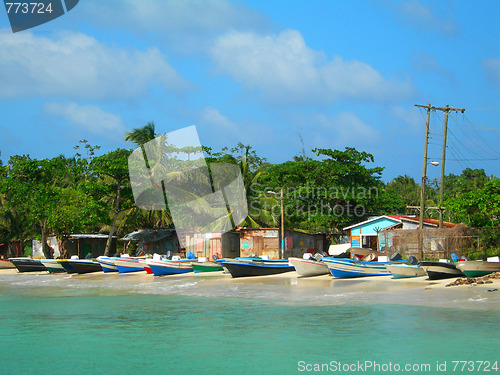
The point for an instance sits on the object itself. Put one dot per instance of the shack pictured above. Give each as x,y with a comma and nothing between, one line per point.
87,243
150,241
266,242
210,245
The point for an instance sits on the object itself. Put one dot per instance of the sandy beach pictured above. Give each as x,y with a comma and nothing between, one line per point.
283,288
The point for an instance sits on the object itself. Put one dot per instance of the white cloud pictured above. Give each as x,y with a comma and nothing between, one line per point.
286,71
75,65
492,71
344,129
211,116
425,62
189,25
89,118
407,119
424,18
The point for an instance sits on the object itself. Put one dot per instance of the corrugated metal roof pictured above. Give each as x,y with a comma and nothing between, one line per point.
149,235
90,235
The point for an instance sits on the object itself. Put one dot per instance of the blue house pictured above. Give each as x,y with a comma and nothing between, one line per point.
365,234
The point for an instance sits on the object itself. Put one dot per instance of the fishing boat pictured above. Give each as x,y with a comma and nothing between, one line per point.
82,265
256,267
207,266
342,267
6,264
129,264
28,265
477,268
440,270
107,264
310,266
400,271
52,265
162,267
67,266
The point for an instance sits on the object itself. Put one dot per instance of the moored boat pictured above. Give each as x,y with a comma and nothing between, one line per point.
256,267
28,265
128,264
309,267
83,265
107,264
400,271
52,265
477,268
207,266
440,270
170,267
67,266
341,267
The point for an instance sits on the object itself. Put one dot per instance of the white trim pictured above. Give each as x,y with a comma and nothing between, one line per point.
370,220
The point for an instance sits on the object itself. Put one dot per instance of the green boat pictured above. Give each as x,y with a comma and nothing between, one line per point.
52,265
477,268
206,267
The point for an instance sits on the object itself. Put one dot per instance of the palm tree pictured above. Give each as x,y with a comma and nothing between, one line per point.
141,136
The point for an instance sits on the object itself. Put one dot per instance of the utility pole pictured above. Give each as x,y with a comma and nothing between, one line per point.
422,186
424,168
446,111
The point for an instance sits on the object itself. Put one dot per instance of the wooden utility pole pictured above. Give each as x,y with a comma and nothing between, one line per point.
446,111
422,186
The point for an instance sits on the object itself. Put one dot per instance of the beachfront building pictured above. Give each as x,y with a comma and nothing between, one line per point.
150,241
11,249
266,242
365,234
87,245
213,244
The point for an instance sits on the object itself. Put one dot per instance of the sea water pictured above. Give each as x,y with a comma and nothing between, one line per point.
109,324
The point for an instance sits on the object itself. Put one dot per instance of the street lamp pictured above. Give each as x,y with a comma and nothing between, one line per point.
282,247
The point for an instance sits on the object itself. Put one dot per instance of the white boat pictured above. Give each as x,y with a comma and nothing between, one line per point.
309,267
341,267
400,271
477,268
107,264
129,264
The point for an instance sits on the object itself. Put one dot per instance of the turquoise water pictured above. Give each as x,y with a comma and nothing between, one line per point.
82,328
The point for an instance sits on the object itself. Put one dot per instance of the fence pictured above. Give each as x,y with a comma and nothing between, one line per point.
436,243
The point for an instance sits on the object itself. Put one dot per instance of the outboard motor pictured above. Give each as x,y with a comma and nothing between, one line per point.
396,256
412,260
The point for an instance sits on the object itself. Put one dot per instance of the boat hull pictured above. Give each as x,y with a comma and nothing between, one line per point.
163,268
107,264
206,267
402,271
125,265
344,268
308,267
67,266
440,270
52,265
84,266
28,265
253,268
477,268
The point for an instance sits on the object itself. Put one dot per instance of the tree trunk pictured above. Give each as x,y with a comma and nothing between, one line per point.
113,223
47,251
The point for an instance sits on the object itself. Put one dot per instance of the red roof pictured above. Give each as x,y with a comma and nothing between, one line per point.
435,222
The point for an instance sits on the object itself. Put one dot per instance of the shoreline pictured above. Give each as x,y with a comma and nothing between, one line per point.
286,288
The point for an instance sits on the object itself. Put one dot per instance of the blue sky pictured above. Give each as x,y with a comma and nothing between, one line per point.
265,73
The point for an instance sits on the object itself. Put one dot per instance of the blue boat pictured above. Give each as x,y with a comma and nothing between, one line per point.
170,267
107,264
256,267
343,267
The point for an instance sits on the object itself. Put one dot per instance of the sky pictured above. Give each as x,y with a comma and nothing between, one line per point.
275,75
